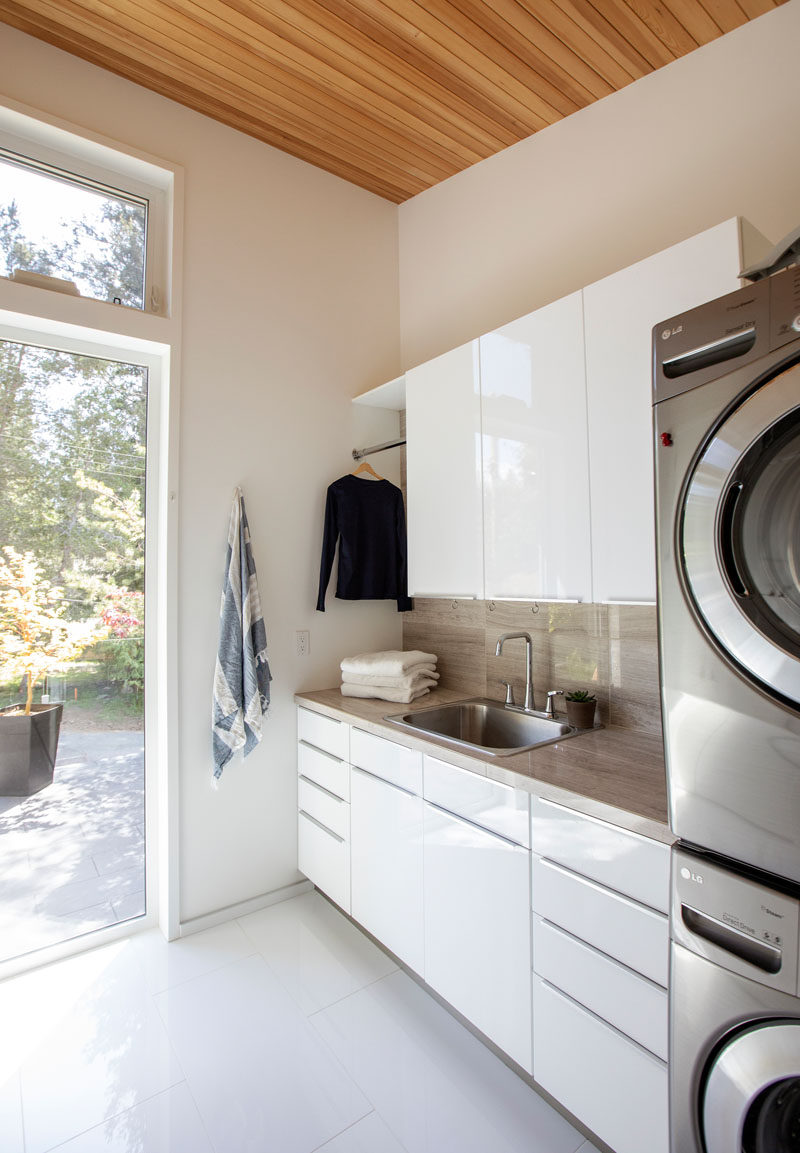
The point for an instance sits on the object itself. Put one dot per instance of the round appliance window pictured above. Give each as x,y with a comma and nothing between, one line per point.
759,538
740,535
751,1096
772,1124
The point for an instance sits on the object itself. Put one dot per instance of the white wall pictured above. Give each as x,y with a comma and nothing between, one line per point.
711,136
290,307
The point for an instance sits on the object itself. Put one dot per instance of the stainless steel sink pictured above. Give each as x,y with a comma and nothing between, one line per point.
484,725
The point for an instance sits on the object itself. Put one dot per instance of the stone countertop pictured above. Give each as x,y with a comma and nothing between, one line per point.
615,774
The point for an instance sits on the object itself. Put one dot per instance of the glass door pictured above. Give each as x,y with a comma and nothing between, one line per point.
73,436
739,536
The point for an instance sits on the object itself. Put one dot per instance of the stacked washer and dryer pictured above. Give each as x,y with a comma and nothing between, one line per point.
727,449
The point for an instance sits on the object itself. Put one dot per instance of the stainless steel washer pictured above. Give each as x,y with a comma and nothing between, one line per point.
735,1019
727,426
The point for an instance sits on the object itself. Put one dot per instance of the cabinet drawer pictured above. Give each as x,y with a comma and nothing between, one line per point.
632,933
613,1086
324,732
493,806
627,1001
325,859
394,763
477,931
323,807
625,861
324,769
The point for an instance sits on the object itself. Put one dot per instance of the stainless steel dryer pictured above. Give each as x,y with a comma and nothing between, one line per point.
727,427
735,1023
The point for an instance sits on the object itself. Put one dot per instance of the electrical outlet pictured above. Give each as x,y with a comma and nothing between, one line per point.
303,642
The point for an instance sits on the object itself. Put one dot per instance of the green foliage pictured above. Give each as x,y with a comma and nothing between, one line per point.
123,651
108,256
35,636
580,695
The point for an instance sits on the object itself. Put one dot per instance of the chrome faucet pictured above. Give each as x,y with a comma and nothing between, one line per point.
550,709
528,663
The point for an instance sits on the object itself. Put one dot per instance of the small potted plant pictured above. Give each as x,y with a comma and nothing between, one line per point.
580,708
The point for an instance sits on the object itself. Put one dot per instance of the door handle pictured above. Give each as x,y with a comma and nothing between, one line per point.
727,528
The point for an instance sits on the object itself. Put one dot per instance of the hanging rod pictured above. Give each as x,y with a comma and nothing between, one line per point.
360,453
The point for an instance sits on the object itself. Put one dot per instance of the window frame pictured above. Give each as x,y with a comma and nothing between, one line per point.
59,320
81,160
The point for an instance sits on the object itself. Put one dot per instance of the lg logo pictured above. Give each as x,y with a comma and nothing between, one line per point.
668,332
688,875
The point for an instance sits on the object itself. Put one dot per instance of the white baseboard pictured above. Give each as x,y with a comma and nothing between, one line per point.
230,912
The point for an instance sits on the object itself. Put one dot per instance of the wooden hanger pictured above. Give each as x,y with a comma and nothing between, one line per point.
367,468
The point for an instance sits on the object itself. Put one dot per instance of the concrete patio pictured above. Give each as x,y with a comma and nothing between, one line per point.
72,855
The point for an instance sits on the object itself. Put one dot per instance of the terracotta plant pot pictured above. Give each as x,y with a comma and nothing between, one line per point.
28,747
581,713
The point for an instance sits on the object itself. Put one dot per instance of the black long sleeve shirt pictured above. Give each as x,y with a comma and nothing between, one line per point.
368,519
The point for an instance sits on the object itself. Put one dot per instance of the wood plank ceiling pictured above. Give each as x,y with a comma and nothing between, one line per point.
393,96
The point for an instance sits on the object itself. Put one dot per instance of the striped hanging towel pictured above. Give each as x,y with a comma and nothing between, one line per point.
242,676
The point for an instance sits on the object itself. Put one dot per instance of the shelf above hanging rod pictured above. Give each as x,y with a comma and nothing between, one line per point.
360,453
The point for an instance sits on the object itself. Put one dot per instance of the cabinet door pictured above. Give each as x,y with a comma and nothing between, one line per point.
620,312
324,857
613,1086
386,865
535,459
477,938
443,453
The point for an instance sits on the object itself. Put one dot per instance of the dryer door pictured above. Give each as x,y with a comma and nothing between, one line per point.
739,535
751,1095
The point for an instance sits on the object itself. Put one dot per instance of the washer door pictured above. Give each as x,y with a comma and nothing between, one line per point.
751,1096
739,535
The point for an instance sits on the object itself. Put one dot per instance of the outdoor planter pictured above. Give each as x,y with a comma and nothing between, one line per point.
28,746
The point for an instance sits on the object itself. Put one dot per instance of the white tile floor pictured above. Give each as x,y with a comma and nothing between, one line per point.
286,1031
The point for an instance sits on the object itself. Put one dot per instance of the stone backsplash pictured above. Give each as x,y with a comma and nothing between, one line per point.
612,650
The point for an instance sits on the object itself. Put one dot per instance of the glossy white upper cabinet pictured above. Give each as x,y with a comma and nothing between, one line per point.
535,462
444,486
619,314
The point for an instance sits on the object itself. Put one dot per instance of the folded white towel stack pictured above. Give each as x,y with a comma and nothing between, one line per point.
389,676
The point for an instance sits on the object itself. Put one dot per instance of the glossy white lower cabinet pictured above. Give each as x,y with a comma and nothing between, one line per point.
386,865
323,792
621,860
616,1088
477,941
600,960
618,926
489,804
324,857
626,999
543,927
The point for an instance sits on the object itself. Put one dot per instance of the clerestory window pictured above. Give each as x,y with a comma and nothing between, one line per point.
78,217
78,231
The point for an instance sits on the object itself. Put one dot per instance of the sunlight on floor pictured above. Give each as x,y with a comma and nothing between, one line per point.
73,854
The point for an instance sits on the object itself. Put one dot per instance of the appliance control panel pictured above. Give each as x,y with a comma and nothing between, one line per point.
735,921
784,306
